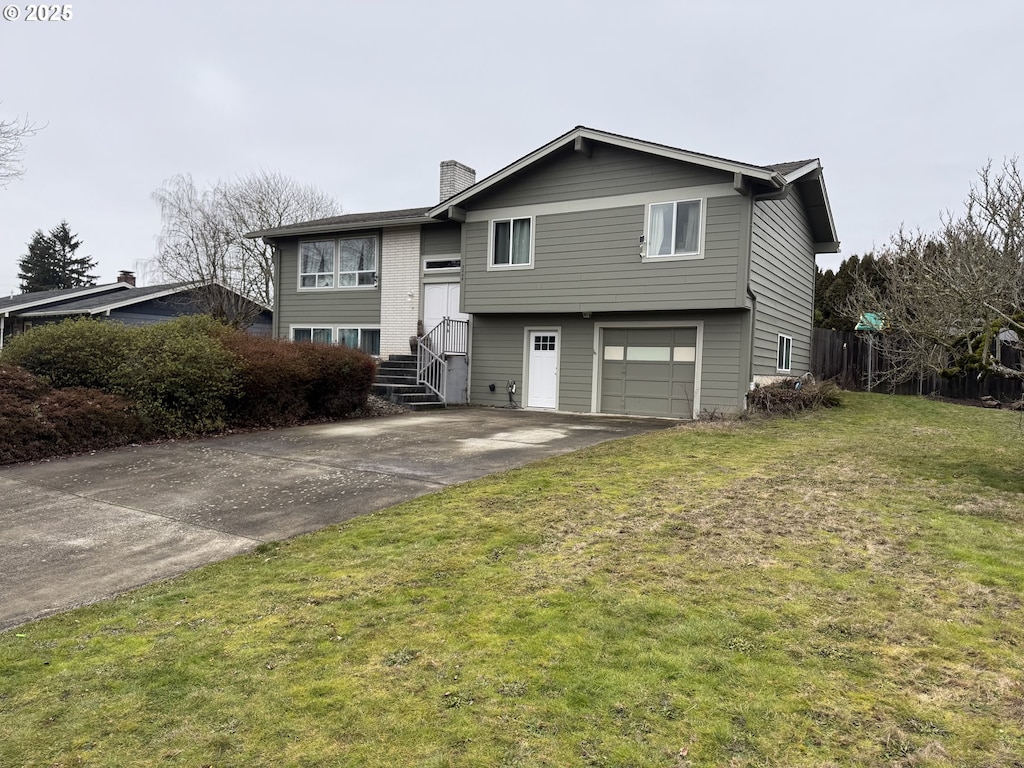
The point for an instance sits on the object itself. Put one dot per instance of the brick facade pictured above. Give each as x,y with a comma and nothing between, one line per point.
399,289
455,177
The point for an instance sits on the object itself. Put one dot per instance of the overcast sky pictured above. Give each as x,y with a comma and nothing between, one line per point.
902,101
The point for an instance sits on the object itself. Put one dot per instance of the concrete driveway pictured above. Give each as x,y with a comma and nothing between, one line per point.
73,531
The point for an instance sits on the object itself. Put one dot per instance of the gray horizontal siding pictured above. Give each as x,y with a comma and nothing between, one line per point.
568,175
440,240
498,349
352,308
782,276
590,260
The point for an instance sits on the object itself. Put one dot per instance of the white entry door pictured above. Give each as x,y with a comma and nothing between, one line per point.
542,389
440,300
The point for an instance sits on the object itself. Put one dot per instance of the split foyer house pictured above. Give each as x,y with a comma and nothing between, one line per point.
600,273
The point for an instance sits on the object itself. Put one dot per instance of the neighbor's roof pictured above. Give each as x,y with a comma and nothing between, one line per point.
98,305
42,298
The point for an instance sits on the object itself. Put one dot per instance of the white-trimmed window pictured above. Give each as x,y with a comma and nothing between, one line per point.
442,263
345,262
313,334
511,243
674,229
366,339
316,264
785,356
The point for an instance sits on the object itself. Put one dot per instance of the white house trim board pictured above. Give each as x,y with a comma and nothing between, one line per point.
595,393
547,398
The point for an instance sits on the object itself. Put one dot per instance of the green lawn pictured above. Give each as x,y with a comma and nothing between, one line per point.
839,589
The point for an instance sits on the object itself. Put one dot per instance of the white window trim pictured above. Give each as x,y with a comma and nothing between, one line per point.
337,265
595,391
698,254
335,330
789,350
442,270
491,266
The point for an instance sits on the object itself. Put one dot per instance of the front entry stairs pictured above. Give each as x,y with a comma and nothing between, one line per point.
396,381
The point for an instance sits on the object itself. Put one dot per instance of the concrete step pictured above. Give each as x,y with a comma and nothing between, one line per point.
394,379
435,405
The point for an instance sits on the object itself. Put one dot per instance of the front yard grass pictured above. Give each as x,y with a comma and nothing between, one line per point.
841,589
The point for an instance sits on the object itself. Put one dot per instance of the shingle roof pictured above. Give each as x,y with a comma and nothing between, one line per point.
92,304
346,221
786,168
46,297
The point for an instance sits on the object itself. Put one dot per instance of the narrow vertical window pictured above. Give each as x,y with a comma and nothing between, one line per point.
785,360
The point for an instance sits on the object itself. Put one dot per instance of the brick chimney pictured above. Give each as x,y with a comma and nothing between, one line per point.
126,277
455,177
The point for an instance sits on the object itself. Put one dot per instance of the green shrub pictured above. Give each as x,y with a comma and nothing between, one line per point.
79,352
793,395
179,376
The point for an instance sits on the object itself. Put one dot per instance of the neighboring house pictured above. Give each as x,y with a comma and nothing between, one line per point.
120,301
602,274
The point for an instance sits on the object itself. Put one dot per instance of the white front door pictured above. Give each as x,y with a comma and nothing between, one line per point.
542,387
440,300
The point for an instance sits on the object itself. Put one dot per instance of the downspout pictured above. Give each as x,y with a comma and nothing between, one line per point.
750,357
2,318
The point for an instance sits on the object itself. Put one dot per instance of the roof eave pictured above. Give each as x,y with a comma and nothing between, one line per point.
348,227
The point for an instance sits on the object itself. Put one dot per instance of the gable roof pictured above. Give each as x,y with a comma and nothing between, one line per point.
581,133
775,179
42,298
104,304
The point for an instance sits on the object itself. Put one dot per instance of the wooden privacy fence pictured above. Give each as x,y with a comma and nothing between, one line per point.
844,356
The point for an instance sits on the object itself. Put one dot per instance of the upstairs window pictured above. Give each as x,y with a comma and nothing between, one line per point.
348,262
512,243
673,229
316,264
358,261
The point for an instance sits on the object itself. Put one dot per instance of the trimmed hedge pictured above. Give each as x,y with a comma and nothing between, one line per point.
281,383
112,384
37,422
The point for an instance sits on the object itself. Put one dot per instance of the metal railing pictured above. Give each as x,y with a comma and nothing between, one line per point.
449,337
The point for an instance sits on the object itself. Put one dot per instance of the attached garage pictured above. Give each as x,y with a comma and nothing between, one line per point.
649,371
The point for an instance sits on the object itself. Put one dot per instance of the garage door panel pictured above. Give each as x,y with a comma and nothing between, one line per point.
648,371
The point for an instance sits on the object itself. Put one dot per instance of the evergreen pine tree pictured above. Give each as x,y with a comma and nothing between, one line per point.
51,262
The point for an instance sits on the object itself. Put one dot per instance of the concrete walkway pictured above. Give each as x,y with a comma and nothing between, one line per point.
74,531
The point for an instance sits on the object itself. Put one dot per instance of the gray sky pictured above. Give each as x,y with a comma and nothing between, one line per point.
902,101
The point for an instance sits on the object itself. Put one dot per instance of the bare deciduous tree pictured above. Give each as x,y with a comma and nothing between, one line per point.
12,148
955,300
202,238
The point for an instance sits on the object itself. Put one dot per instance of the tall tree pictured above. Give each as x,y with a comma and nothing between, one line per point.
52,262
833,290
202,238
12,148
954,300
